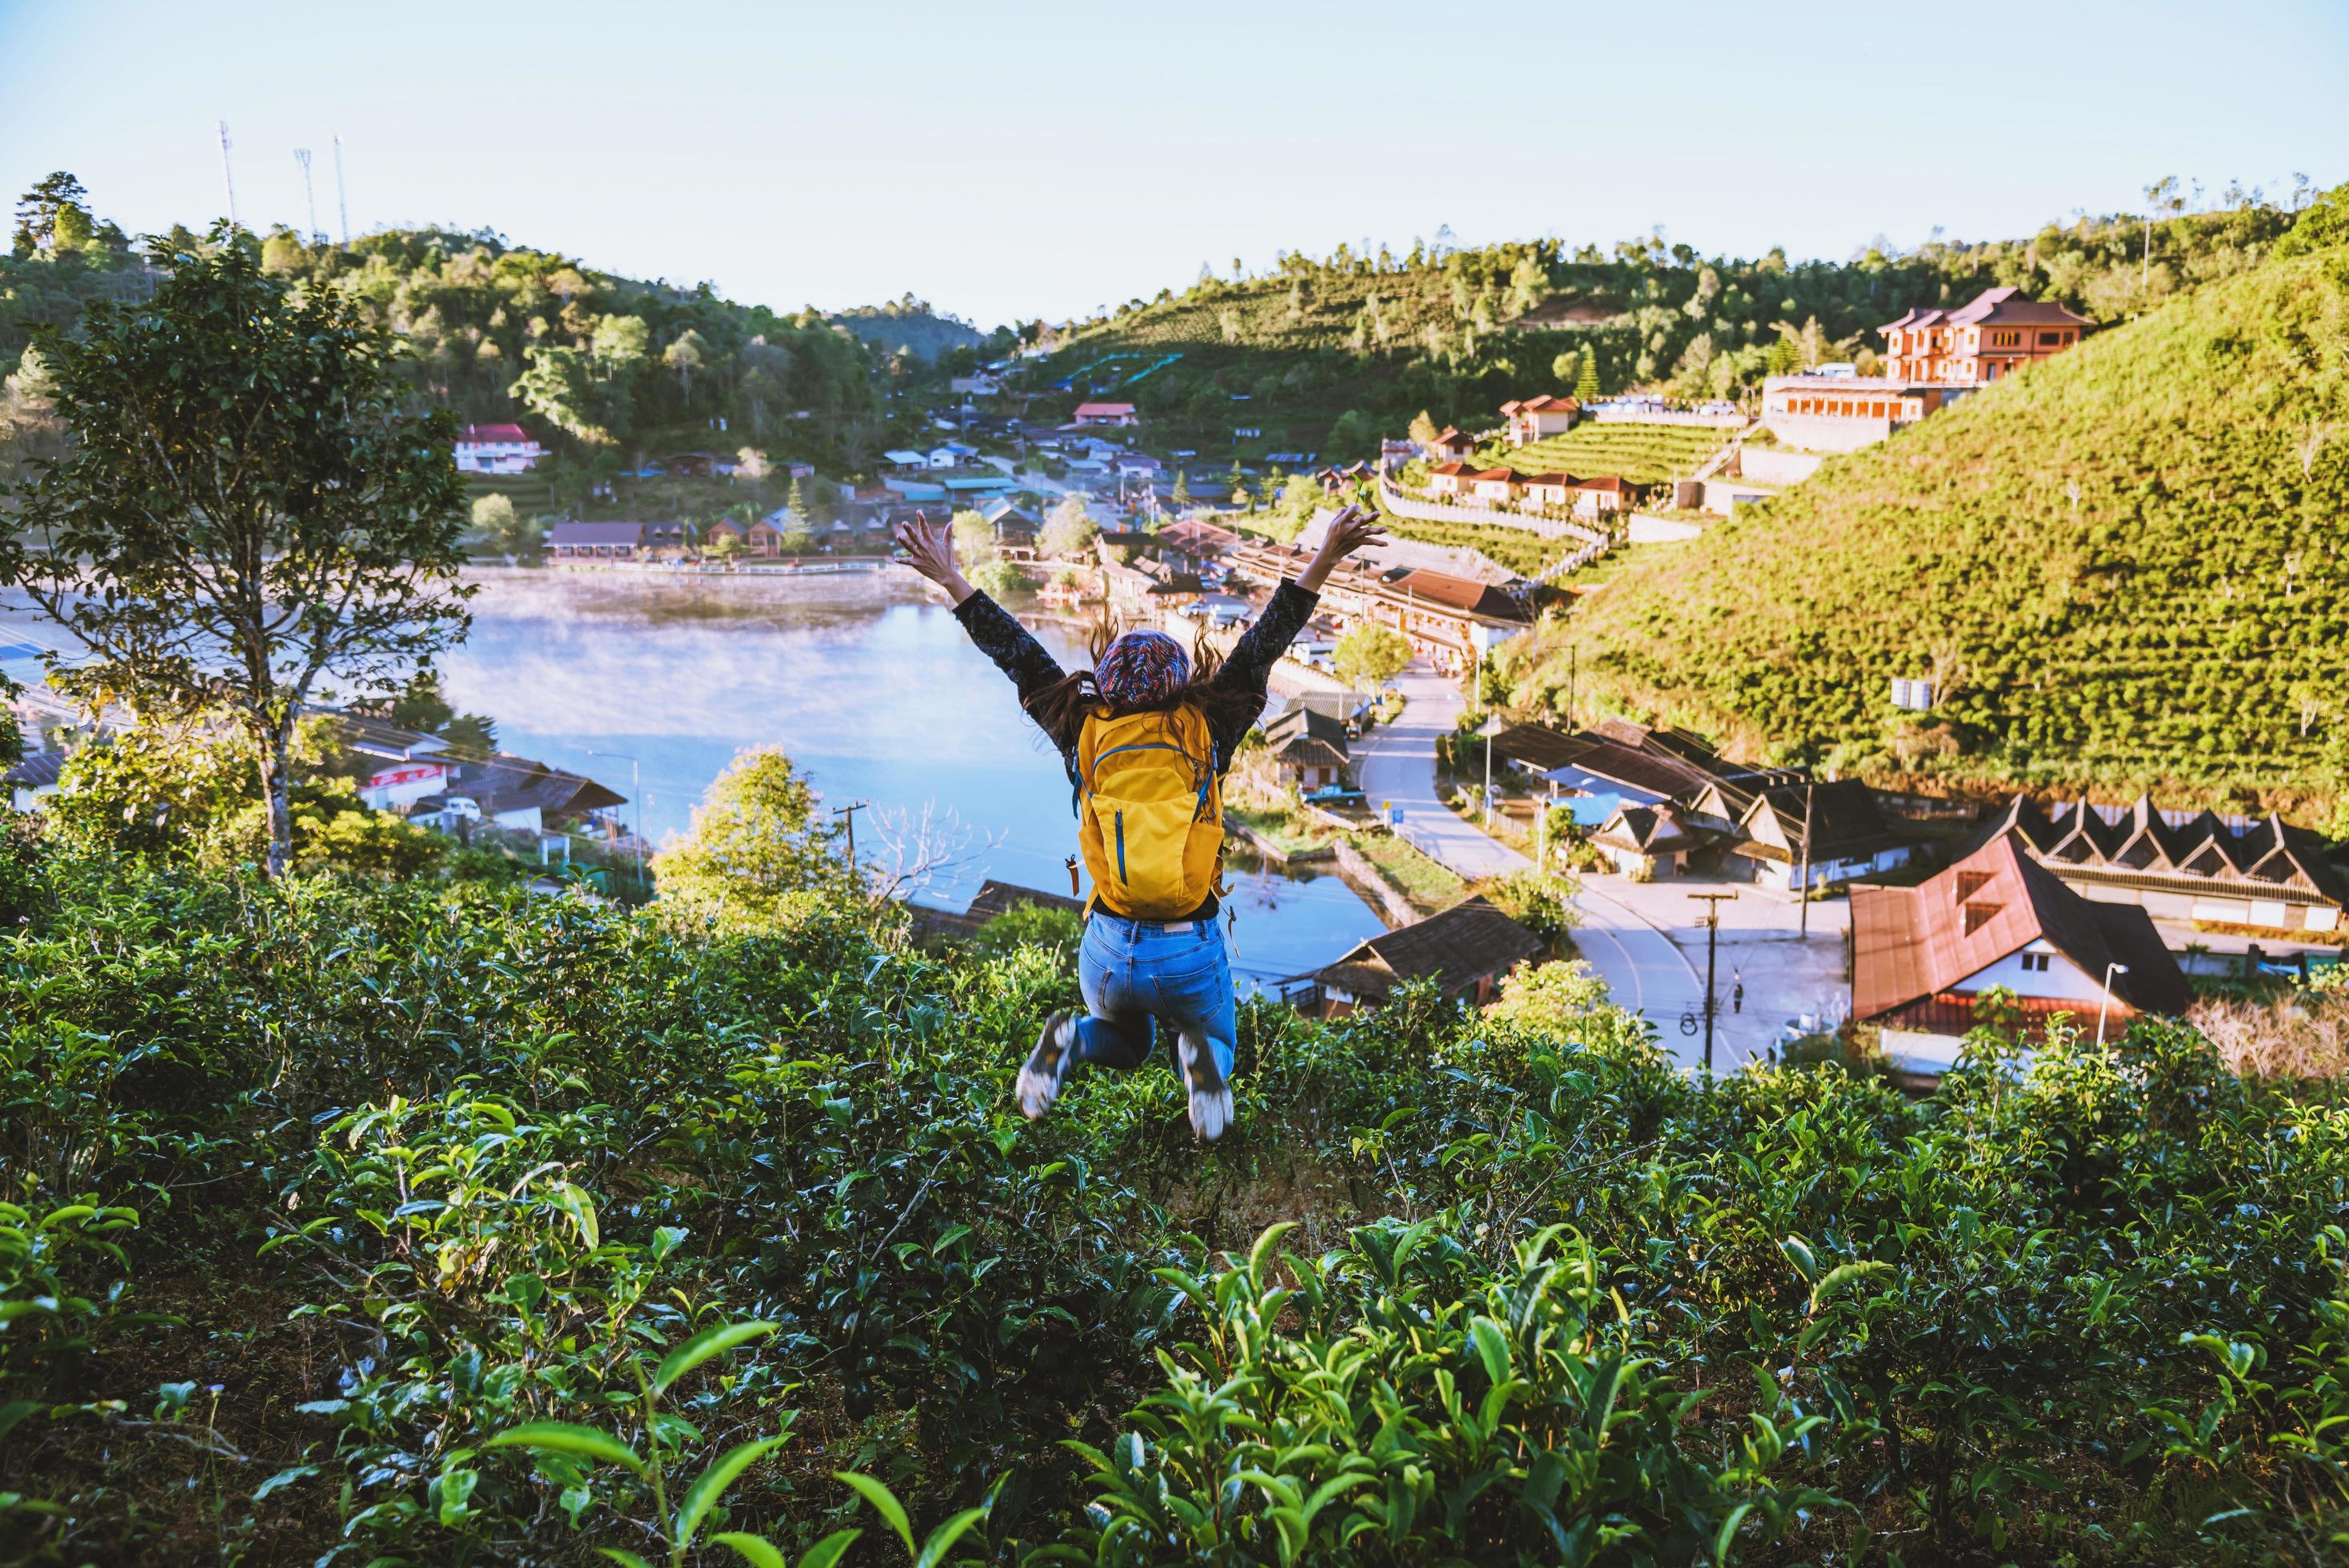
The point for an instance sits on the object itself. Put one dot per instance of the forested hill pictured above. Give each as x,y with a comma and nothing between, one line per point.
612,369
2123,569
911,327
1455,332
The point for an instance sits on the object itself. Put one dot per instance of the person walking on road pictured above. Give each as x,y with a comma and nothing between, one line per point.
1145,736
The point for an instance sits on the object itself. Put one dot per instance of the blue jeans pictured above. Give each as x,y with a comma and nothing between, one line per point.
1134,972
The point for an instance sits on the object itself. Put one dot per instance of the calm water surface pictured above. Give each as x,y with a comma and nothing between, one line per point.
867,682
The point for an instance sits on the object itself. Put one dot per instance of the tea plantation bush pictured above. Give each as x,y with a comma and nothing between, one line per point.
362,1222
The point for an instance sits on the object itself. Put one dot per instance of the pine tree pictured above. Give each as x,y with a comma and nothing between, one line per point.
1586,380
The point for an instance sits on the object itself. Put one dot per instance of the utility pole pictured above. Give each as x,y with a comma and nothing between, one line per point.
1573,672
309,196
342,202
1803,926
228,176
848,814
1713,900
636,791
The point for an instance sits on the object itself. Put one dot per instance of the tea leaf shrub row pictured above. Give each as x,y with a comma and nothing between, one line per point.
378,1223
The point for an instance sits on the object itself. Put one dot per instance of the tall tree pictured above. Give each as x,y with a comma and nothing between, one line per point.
1069,529
247,511
1586,380
38,210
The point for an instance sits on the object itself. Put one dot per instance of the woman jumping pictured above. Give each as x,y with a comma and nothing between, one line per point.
1146,737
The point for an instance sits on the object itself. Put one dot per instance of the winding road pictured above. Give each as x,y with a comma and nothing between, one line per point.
1396,763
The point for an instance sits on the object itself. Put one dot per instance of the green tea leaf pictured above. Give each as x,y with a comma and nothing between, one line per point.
709,1342
755,1550
713,1484
563,1436
884,1502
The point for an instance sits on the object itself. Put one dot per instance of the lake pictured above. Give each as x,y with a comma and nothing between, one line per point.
866,680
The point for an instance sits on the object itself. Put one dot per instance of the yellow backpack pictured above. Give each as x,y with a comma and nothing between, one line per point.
1150,811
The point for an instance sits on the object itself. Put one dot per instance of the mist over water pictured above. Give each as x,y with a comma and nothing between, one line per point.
865,679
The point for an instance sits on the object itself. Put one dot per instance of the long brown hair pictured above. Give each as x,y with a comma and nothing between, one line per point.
1063,706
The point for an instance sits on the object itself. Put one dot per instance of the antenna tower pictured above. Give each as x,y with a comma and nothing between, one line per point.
228,176
302,157
342,203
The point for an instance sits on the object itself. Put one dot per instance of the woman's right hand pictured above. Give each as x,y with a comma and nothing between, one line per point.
929,550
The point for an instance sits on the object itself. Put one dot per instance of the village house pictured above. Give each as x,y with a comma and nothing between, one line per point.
1092,414
1834,827
1647,841
1923,956
33,779
1015,526
1450,446
403,766
1467,950
2185,865
1987,340
597,540
1533,417
1494,487
1308,749
1932,357
497,450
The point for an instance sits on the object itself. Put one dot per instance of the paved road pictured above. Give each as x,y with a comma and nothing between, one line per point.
1397,763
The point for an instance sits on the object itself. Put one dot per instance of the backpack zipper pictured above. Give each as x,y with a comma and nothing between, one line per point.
1121,846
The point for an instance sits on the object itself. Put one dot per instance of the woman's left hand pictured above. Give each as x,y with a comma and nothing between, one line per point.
929,550
1350,531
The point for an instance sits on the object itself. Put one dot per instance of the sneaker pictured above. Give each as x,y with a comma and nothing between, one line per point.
1211,1096
1047,1067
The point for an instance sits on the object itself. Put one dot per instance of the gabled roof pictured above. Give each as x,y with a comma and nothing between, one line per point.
1306,751
1546,403
1649,830
1910,944
1198,538
1460,593
1644,768
376,738
1450,437
2143,844
495,436
516,783
1303,724
1454,467
34,770
1469,940
1085,409
1845,823
2009,307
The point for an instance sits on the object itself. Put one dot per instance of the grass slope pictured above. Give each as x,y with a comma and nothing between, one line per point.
2124,568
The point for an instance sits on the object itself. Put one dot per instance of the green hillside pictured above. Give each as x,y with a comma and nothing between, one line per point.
1379,337
2124,570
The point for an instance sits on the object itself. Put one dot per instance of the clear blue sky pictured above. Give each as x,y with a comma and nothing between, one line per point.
1043,160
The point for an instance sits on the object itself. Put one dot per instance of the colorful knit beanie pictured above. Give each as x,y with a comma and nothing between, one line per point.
1141,670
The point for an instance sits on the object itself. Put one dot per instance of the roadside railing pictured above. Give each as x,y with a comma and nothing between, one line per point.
1403,505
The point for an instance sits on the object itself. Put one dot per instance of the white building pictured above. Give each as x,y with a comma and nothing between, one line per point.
497,450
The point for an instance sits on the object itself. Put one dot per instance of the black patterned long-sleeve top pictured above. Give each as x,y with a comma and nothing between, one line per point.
1248,668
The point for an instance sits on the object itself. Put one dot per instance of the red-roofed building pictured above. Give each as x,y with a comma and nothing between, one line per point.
497,450
1924,956
1987,340
1106,414
1531,418
1452,445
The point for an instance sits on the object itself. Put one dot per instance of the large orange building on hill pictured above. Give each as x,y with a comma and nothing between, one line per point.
1990,339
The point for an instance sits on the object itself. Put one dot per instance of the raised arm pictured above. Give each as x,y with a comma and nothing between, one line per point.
929,550
1262,645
